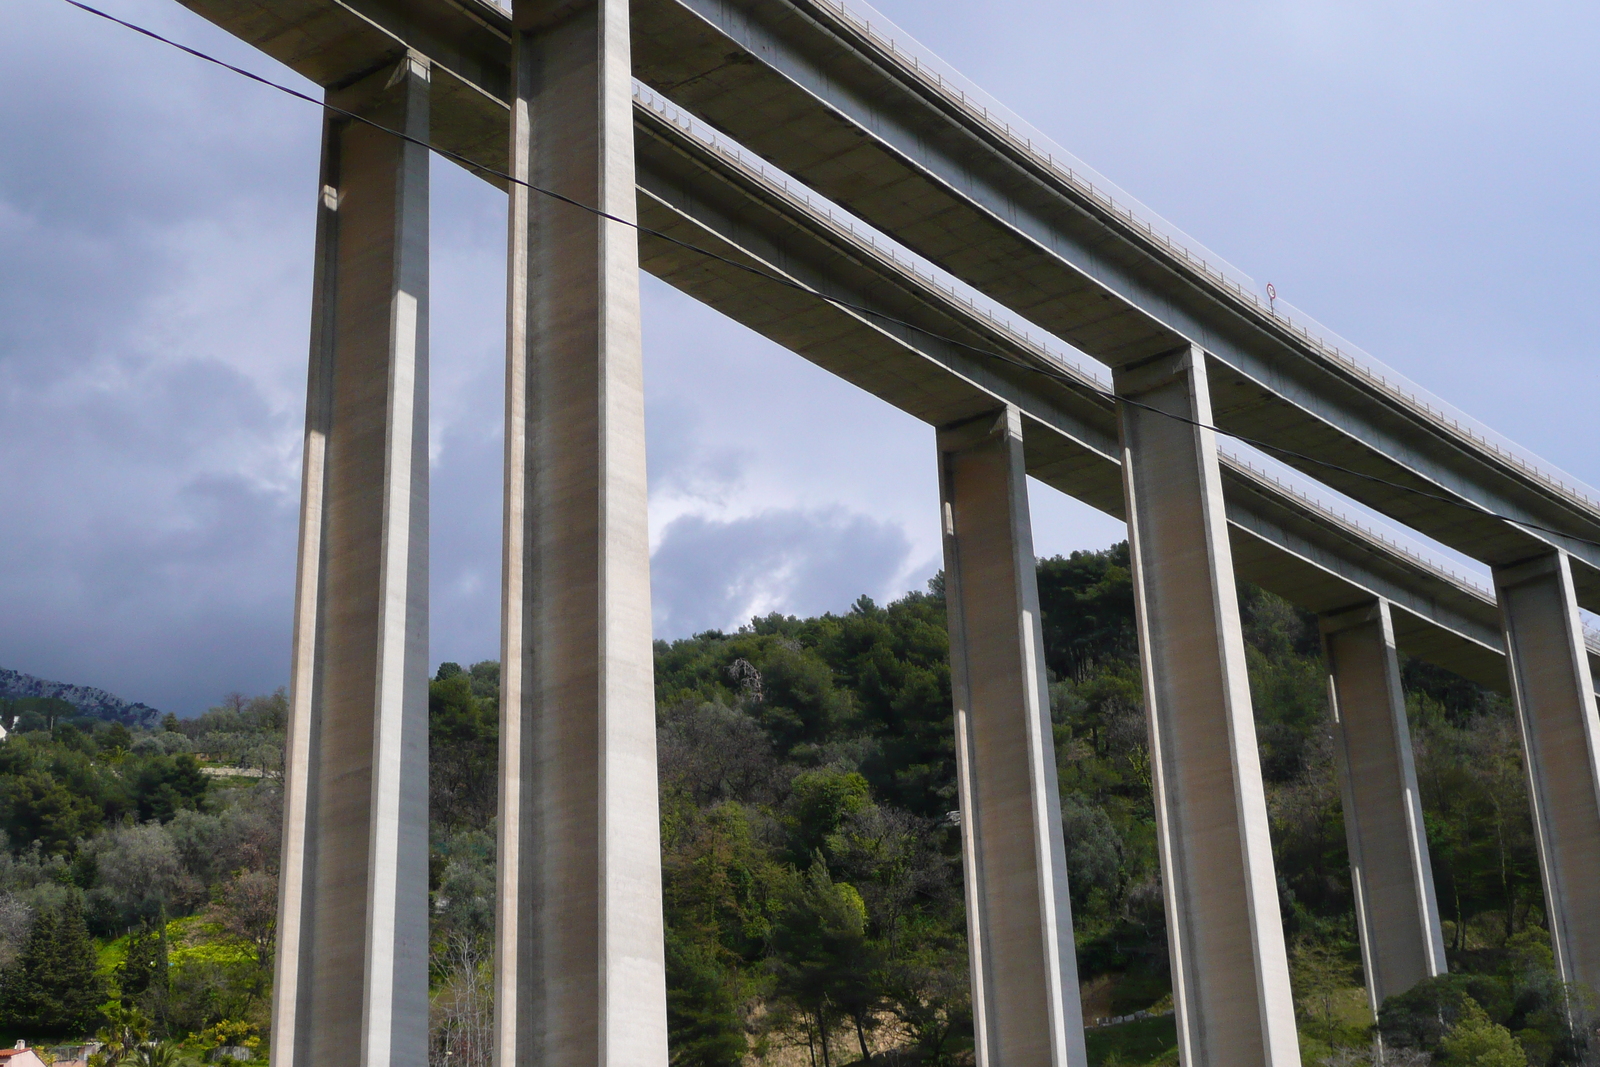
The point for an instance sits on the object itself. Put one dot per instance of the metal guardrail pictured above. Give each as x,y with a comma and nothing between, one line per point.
917,60
1371,532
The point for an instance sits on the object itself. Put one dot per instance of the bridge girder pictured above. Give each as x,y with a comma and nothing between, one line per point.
820,98
1280,542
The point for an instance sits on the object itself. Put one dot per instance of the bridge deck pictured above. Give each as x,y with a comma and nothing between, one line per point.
806,88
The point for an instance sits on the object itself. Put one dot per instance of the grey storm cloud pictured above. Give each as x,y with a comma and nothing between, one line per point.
148,441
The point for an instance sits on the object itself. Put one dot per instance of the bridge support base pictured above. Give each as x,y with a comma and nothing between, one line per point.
1230,971
1396,910
580,971
1555,701
352,967
1025,1002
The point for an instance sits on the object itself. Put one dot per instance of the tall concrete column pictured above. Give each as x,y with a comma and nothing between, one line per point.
1396,910
580,970
352,967
1555,702
1230,972
1026,1011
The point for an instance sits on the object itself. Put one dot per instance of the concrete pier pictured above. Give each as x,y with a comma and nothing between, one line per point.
1230,973
580,971
1555,700
352,959
1396,910
1025,1005
818,96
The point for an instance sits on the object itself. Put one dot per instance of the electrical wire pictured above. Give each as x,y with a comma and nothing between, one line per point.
1072,382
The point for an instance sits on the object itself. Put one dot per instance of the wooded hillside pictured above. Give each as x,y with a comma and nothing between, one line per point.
810,851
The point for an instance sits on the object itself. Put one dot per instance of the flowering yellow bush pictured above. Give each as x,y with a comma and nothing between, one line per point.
229,1032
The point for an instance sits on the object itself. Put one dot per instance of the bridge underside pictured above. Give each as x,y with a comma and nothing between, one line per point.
548,95
693,192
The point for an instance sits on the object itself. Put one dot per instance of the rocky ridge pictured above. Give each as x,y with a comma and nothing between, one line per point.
87,699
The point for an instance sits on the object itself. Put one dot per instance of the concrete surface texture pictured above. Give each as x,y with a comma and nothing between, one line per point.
352,966
580,976
1025,1003
825,99
690,193
1397,912
1230,971
854,118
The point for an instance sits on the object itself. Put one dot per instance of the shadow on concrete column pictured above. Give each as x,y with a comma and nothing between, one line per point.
352,969
1396,910
1025,1005
1555,702
1230,971
580,977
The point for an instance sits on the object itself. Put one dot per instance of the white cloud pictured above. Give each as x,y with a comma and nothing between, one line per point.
710,574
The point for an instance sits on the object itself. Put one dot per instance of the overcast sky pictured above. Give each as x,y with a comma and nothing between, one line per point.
1418,175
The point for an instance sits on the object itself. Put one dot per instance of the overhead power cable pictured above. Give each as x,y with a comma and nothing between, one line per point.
1071,381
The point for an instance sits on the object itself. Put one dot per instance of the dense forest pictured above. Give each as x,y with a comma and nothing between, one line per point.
810,858
138,888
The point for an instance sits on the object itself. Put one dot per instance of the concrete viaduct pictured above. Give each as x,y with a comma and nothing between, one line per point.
658,111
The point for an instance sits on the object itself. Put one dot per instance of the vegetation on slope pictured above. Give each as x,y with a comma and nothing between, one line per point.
137,889
810,842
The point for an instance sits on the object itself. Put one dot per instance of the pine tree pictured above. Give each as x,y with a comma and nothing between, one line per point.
142,978
53,989
22,1000
79,989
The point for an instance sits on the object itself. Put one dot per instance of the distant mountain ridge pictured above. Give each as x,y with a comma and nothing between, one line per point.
87,699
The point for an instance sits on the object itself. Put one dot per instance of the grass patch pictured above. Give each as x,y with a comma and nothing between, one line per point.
1141,1043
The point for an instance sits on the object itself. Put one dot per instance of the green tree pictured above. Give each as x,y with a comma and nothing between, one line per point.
1087,602
71,738
1421,1016
115,739
893,665
819,802
160,1054
822,959
799,702
165,785
54,988
126,1031
1477,1041
463,742
36,806
930,992
142,977
704,1028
